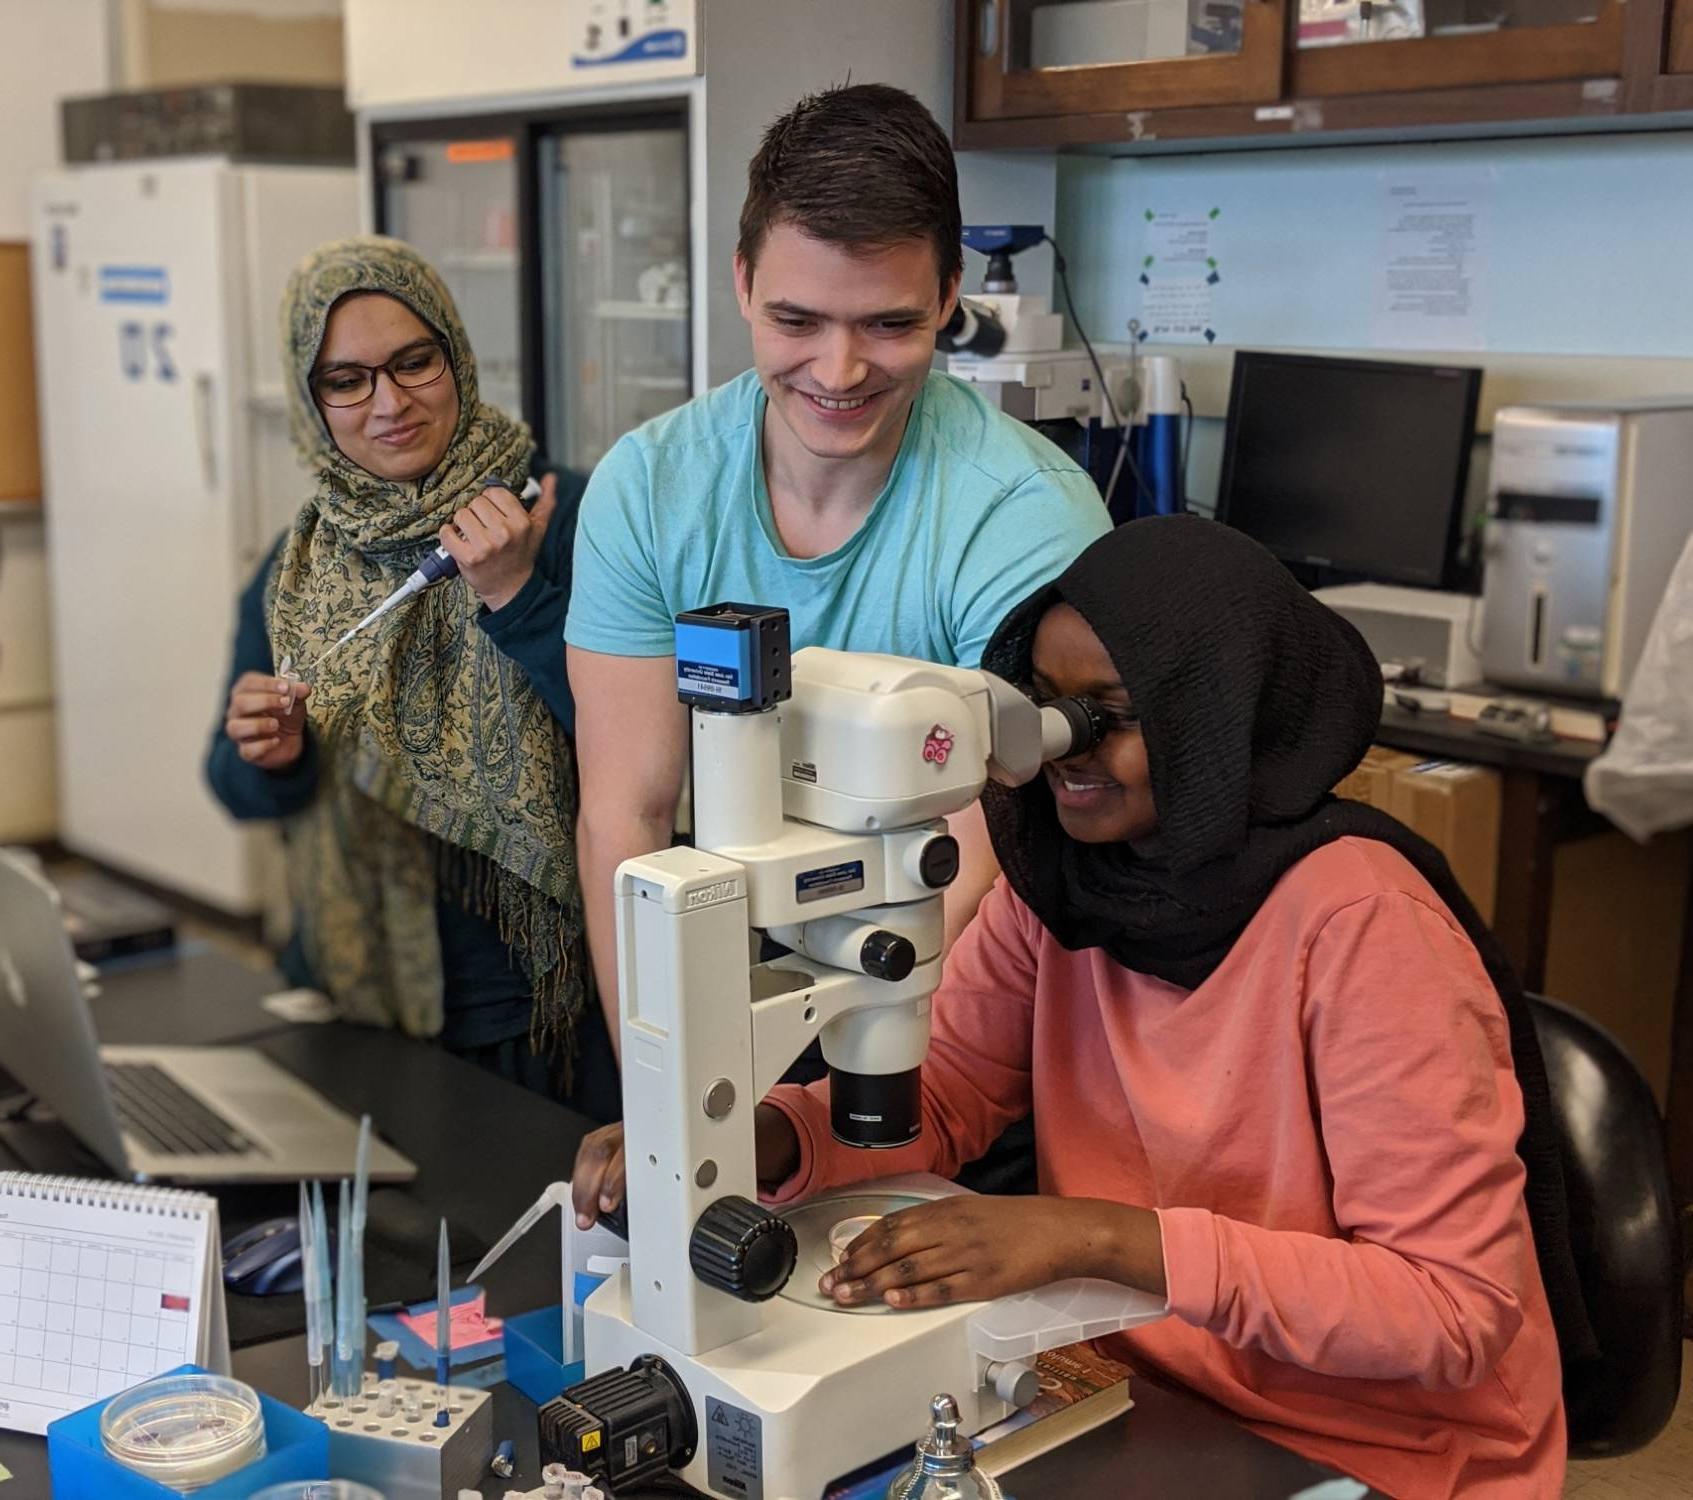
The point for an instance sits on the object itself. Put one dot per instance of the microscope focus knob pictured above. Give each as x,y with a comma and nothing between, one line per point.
887,955
742,1249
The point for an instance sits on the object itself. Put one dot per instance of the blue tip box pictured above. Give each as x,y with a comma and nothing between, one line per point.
535,1355
296,1447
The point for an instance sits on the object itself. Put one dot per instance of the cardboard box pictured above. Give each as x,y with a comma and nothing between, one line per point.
20,443
1372,781
1453,805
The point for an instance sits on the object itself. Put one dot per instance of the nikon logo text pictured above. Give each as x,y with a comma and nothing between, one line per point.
710,895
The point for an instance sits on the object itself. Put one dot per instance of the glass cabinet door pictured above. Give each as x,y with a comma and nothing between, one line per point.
456,201
615,296
1054,57
1384,46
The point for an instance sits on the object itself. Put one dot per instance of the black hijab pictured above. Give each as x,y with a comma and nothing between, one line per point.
1254,700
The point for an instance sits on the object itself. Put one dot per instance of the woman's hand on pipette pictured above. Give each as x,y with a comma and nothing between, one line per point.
972,1249
266,718
494,540
597,1182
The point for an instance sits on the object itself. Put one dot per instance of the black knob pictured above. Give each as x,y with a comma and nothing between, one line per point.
742,1249
887,955
937,865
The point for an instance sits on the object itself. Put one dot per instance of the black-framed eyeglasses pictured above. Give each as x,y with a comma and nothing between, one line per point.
1109,718
348,384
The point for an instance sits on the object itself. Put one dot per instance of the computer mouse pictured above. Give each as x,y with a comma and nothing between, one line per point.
264,1261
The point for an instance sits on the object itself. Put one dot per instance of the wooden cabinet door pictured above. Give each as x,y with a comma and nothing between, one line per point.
1032,59
1461,44
1680,59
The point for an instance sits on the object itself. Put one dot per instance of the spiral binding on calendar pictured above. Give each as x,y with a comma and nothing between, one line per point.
90,1192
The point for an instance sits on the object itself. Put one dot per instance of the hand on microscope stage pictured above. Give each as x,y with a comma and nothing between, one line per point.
266,718
597,1182
494,540
973,1249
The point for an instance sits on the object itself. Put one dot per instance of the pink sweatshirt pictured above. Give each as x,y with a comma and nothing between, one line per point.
1327,1130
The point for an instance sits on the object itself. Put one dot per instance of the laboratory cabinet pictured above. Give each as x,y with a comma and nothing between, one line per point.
1150,74
1681,38
1040,58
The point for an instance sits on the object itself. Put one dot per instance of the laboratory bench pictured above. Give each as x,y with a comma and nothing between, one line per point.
454,1119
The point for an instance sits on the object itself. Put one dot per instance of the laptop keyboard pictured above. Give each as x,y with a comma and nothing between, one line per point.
156,1108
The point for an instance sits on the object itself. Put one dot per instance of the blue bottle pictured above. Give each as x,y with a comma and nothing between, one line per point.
1160,445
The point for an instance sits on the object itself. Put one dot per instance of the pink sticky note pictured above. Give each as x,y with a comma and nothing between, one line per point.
467,1324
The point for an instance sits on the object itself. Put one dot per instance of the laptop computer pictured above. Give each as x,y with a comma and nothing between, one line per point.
167,1114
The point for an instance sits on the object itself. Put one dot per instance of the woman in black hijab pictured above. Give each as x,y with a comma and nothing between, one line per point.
1279,1071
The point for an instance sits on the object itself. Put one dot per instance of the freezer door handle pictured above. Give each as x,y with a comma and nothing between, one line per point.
204,419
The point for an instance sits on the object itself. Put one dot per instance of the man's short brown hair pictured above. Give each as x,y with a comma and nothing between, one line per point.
863,164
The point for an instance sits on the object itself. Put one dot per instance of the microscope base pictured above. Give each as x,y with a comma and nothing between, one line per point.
812,1395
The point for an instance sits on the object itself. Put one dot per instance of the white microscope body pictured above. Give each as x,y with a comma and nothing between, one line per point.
818,821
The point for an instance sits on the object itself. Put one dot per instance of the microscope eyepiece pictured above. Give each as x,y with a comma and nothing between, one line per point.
973,328
1071,726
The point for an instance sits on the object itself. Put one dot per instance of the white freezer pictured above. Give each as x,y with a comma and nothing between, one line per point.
168,473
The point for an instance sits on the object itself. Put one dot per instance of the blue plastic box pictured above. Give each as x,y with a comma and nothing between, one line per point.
534,1351
296,1447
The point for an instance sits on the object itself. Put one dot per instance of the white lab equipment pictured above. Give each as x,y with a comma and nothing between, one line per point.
169,473
1587,513
818,821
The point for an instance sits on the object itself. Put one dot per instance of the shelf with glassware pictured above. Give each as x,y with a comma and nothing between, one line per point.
1122,74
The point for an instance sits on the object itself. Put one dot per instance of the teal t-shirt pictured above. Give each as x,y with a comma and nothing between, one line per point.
978,511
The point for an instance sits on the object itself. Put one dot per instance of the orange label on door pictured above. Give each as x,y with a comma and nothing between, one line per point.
463,152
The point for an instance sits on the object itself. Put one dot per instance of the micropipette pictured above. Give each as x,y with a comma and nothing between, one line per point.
437,567
556,1196
443,1325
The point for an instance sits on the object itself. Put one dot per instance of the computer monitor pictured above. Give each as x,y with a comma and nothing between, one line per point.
1350,468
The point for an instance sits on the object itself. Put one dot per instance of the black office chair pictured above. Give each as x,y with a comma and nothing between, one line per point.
1625,1235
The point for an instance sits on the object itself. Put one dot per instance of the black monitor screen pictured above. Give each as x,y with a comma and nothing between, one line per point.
1354,467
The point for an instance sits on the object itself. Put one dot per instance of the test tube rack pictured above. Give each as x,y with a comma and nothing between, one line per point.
409,1458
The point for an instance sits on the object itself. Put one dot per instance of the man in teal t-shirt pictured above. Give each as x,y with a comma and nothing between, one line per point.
886,507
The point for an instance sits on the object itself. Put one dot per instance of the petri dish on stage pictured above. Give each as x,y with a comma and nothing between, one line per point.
848,1230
